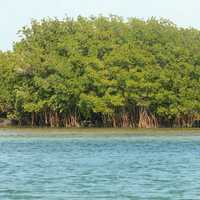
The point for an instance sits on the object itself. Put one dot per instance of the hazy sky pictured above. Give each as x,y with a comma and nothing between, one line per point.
16,13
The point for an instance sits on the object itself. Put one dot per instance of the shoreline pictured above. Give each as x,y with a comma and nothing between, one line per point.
56,132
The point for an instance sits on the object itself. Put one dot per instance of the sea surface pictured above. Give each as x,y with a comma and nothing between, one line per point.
102,164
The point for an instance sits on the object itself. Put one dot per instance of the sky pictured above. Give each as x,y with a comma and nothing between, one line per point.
14,14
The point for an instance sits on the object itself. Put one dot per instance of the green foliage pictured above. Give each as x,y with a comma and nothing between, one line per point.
104,66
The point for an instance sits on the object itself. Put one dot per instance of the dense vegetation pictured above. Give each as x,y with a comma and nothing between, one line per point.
104,72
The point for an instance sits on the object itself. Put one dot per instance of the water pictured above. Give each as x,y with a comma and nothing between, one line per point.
77,166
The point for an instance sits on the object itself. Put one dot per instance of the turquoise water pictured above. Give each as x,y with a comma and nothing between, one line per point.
99,167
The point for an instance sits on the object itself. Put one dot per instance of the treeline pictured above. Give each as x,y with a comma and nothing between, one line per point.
103,72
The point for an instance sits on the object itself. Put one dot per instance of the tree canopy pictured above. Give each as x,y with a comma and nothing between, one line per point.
102,71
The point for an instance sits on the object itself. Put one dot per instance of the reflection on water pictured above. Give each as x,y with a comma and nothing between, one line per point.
110,166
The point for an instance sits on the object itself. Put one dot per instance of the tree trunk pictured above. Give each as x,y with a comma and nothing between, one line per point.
146,119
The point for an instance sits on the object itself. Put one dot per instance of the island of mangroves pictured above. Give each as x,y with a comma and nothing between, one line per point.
102,72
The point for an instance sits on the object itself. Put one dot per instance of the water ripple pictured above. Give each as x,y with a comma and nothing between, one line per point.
132,168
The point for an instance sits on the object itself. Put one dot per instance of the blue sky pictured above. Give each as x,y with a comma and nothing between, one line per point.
16,13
